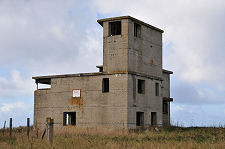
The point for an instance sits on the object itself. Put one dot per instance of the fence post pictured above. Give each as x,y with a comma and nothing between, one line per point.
10,127
49,128
28,127
4,128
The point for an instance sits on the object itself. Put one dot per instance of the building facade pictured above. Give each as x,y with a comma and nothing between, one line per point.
130,90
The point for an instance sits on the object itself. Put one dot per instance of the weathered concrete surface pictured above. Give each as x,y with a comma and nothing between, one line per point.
146,102
166,93
145,53
93,108
126,59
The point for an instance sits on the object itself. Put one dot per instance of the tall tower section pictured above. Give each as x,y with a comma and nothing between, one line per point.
131,46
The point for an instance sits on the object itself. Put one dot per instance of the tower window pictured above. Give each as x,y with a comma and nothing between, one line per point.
141,86
105,85
114,28
137,30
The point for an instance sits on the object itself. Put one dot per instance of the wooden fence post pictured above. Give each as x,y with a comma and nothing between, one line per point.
10,127
4,128
49,128
28,127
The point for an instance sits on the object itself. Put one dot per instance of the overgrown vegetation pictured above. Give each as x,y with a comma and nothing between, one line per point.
162,138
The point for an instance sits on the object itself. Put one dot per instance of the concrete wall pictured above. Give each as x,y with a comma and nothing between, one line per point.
116,109
93,109
166,93
123,53
146,102
115,49
145,53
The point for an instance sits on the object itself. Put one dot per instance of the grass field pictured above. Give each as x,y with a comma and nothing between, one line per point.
160,138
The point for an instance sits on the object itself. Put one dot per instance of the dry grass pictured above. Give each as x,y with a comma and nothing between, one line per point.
164,138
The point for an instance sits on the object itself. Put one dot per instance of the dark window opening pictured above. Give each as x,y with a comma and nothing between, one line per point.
105,85
114,28
137,30
165,107
100,69
153,118
156,89
141,86
140,119
69,118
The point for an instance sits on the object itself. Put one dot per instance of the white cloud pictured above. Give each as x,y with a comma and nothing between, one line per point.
178,108
46,37
19,111
16,85
7,107
197,115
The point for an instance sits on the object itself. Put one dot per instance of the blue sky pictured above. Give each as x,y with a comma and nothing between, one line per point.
57,37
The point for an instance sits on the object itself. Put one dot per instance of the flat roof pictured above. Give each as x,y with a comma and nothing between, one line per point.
68,75
100,21
47,79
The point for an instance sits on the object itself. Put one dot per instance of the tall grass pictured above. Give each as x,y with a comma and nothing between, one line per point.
160,138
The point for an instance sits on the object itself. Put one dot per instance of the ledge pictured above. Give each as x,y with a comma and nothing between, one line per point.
167,71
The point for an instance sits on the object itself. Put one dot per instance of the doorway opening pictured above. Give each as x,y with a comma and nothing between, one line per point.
140,119
153,118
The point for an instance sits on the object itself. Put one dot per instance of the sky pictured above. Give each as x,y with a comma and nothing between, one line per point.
49,37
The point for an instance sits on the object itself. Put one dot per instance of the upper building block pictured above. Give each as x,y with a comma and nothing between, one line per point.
130,45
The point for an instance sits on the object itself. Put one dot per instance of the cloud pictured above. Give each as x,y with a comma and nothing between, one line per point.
7,107
16,85
197,115
196,94
46,37
178,108
19,111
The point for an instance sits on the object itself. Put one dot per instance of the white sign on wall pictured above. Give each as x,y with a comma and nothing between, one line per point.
76,92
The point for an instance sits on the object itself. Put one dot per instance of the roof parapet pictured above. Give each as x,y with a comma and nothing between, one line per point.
100,21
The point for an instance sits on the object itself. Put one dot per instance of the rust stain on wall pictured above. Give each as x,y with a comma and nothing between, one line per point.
76,101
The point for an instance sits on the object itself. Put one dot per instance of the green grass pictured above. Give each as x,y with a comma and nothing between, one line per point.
164,138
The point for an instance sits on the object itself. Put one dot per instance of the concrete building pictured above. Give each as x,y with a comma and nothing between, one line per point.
130,90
